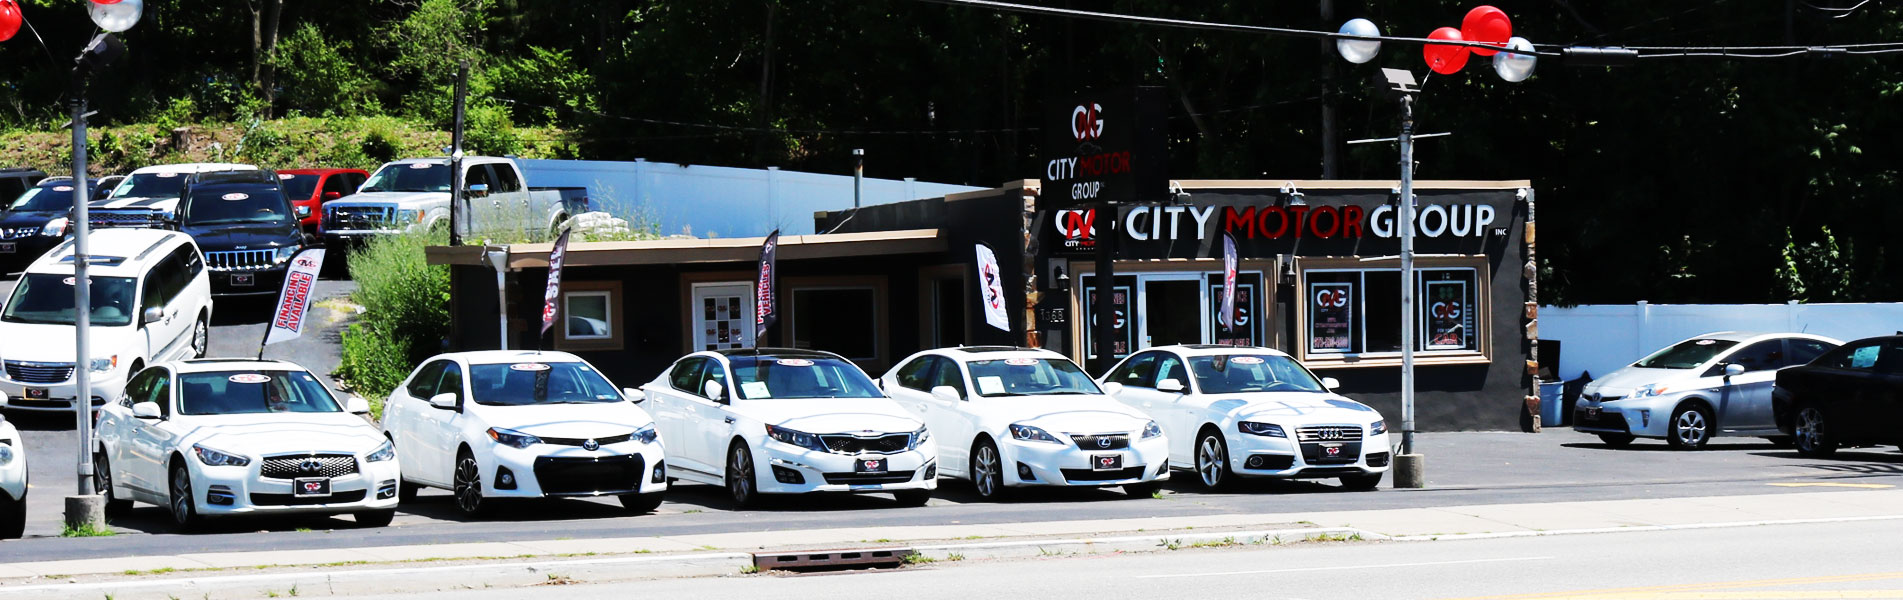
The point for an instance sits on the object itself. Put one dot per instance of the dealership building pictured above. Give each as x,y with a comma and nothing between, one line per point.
1318,277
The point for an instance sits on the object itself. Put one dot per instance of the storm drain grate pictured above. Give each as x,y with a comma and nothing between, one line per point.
817,560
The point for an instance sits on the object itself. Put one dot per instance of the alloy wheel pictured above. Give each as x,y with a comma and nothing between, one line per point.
201,338
1689,428
985,473
1810,433
1210,459
468,485
740,475
183,512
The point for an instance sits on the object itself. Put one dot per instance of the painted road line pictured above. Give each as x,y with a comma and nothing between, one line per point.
1350,567
1662,591
362,573
1832,484
1637,528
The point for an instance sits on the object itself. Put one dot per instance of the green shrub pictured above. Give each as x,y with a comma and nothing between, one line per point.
373,364
380,142
548,83
488,130
406,311
318,77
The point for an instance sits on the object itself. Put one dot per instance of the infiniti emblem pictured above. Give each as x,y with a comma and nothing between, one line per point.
311,466
590,445
1103,442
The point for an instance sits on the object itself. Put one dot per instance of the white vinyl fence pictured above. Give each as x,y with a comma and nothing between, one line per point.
1602,337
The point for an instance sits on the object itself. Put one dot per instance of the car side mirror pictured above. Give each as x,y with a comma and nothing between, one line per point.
479,189
445,401
146,410
1330,383
357,405
1733,369
634,395
153,314
303,211
714,391
332,195
946,393
1113,388
1174,386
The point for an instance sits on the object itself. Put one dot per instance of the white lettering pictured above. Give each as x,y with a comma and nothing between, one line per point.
1433,230
1202,216
1176,216
1082,191
1485,219
1463,219
1381,220
1061,169
1130,223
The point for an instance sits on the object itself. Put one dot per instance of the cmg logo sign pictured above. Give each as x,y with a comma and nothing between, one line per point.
1086,122
1330,298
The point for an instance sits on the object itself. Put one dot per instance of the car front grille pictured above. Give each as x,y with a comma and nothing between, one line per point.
613,439
258,499
125,218
868,478
568,476
14,233
345,218
308,465
1329,433
889,443
1114,441
239,260
1075,475
1318,453
32,372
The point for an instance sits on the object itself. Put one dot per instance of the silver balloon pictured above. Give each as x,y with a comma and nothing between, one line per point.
118,16
1358,51
1515,66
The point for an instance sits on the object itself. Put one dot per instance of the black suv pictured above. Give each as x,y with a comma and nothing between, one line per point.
244,224
33,222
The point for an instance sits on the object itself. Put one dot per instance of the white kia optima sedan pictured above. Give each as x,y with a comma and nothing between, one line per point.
217,437
523,424
1016,417
792,422
1253,412
12,482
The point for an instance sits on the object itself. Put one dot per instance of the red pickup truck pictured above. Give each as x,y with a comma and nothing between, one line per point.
309,189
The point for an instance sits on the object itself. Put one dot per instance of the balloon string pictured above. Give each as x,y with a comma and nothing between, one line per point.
36,35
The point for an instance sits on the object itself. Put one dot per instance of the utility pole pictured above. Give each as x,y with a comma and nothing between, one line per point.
1331,139
82,291
456,196
858,175
1410,470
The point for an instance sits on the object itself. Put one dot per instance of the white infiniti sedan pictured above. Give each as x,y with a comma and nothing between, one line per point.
1253,412
522,424
1017,417
217,437
793,422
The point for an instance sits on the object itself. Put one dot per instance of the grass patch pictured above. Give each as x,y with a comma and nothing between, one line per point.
87,530
919,559
749,569
954,557
559,579
1156,495
158,571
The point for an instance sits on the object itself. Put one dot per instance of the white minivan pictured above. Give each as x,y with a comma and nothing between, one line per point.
151,303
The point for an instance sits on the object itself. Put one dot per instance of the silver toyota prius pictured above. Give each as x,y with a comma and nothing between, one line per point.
1689,392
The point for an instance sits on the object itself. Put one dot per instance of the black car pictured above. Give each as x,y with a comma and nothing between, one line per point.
1851,396
34,222
243,223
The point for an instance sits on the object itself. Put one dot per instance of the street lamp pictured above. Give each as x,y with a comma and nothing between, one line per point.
86,509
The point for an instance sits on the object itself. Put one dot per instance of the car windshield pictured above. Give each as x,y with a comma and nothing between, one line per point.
151,185
45,199
1030,377
523,384
253,392
1239,373
784,378
47,299
1688,354
299,186
410,177
254,203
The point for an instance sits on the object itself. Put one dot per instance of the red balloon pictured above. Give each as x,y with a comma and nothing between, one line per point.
1487,25
1442,58
106,1
9,19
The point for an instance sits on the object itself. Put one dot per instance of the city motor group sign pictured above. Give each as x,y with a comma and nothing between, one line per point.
1078,227
1105,146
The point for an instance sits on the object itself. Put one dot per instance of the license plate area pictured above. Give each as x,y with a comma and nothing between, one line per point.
36,393
1106,462
8,248
243,279
1592,412
310,487
869,465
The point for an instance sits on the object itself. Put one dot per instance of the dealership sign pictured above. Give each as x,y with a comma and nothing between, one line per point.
1106,146
1273,222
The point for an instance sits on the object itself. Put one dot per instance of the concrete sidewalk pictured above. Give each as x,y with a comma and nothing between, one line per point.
1398,524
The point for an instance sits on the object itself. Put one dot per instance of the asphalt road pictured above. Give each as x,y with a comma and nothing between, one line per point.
1837,560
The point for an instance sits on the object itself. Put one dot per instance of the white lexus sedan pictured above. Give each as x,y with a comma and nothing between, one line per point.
1019,417
792,422
217,437
12,482
522,424
1253,412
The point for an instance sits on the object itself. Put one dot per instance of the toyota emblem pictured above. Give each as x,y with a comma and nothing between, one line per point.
311,466
590,445
1104,442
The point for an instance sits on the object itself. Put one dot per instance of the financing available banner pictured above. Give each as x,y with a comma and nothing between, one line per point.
294,300
991,288
766,306
1228,316
554,292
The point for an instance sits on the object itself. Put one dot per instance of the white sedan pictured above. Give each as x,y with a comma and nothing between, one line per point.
230,437
519,424
1017,417
12,482
792,422
1253,412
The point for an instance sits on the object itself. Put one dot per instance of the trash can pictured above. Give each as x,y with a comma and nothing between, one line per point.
1552,410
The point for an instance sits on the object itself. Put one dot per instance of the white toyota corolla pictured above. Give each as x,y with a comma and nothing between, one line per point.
1253,412
12,482
215,437
795,421
521,424
1017,417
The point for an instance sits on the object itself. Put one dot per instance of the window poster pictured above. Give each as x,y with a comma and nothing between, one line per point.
1120,306
1449,320
1331,317
1243,334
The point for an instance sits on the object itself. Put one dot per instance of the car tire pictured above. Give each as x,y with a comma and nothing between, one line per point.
912,497
1143,490
1366,482
1690,428
987,471
1212,461
201,337
375,518
468,476
181,501
102,483
12,517
1616,440
405,491
641,504
742,487
1811,432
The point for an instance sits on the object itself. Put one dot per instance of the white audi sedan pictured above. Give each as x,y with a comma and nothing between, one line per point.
1017,417
523,424
12,482
218,437
1253,412
780,421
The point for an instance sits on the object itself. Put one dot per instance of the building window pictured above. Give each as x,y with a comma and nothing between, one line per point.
590,316
842,320
1355,313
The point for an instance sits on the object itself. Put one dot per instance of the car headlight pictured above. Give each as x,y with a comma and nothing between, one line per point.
6,454
286,253
103,365
1032,434
647,434
1378,428
387,451
919,438
409,216
1152,430
218,458
1648,390
55,227
512,438
1268,429
796,438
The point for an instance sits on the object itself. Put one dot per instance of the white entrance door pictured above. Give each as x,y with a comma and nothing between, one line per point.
722,315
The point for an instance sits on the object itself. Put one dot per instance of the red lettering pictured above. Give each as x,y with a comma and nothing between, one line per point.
1300,213
1262,221
1231,220
1351,221
1315,220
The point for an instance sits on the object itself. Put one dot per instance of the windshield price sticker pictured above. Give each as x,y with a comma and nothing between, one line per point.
235,196
419,165
755,389
1245,360
794,362
1707,342
1021,362
285,176
988,386
62,188
68,281
531,367
167,175
248,378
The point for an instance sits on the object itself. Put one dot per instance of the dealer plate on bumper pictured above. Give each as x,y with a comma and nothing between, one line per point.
869,465
1106,462
242,279
8,248
310,487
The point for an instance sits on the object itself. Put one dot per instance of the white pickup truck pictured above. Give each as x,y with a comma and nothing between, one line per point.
413,193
